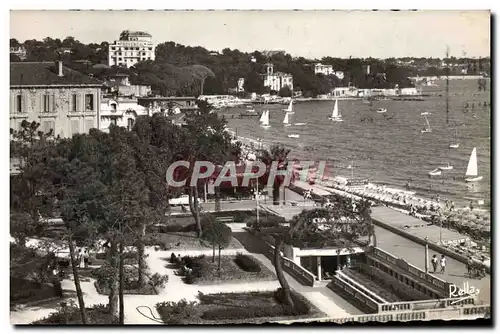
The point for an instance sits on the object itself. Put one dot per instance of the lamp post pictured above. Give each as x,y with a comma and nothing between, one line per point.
426,256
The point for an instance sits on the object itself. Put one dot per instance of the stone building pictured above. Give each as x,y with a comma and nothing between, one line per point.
57,97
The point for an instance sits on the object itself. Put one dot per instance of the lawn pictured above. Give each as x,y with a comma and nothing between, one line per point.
24,291
228,308
230,271
103,274
183,240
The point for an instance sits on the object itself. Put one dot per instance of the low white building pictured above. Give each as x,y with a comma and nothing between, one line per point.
277,80
408,91
345,92
323,69
120,111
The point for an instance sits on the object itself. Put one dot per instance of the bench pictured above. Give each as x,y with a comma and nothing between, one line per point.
225,219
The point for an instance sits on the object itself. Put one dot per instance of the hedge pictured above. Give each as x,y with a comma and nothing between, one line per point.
97,315
247,263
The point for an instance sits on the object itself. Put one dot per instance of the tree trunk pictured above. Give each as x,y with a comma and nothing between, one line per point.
196,205
190,197
79,294
141,259
122,287
217,198
218,268
276,193
213,254
113,286
279,271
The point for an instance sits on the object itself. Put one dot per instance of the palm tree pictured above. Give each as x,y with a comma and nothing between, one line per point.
279,154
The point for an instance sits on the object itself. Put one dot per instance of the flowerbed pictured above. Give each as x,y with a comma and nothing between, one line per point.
105,273
70,315
248,307
204,271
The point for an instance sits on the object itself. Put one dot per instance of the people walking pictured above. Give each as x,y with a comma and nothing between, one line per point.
81,261
86,257
434,262
443,263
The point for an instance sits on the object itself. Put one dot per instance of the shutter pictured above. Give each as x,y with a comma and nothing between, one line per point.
45,126
77,102
94,100
52,103
15,103
52,126
24,105
42,99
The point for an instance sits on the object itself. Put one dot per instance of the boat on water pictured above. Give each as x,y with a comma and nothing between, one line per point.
456,144
336,116
264,119
435,172
298,124
428,128
381,110
286,121
472,168
425,113
250,110
448,167
289,110
293,136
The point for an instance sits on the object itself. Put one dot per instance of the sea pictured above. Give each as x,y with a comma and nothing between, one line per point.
389,149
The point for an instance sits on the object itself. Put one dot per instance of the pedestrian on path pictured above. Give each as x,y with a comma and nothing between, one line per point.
434,262
443,263
86,257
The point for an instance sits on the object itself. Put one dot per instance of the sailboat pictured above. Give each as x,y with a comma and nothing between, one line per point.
264,119
472,168
336,116
289,110
293,136
425,113
428,128
435,172
286,121
456,144
448,167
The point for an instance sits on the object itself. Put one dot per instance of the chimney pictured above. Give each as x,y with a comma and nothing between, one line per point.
60,66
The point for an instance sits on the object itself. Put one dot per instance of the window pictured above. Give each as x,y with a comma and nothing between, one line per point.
144,53
89,124
150,49
19,103
75,127
130,123
74,102
113,107
47,126
120,58
48,103
112,48
89,102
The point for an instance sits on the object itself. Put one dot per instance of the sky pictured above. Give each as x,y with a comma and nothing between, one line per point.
311,34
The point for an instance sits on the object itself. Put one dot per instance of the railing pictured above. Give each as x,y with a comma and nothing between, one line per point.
365,290
471,312
298,272
426,304
441,284
367,302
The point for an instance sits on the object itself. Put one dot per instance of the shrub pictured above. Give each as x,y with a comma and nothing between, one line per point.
247,263
302,306
173,258
158,280
189,278
70,315
173,313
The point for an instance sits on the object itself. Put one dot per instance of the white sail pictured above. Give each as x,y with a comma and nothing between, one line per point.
265,121
335,111
290,106
427,122
263,117
472,167
285,121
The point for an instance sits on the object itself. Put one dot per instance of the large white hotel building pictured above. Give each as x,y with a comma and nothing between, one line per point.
132,47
